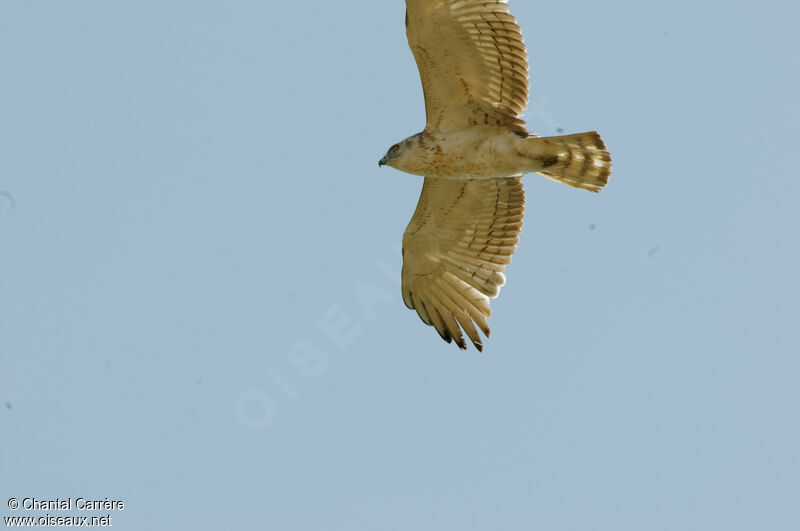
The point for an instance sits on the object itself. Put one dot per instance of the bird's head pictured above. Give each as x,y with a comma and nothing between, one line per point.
392,155
410,155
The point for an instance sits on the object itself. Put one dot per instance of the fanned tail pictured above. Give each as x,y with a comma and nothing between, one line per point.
582,160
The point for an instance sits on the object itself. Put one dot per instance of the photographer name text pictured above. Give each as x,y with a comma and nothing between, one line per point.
67,504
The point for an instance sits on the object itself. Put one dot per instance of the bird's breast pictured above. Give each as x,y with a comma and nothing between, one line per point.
476,153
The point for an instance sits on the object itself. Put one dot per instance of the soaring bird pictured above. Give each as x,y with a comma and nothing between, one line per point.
473,152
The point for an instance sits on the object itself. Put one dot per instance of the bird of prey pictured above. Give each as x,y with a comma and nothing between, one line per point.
473,152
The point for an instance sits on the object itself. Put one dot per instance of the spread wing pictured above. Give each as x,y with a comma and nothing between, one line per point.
472,62
455,248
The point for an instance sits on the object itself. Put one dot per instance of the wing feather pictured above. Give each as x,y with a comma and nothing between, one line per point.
472,62
453,263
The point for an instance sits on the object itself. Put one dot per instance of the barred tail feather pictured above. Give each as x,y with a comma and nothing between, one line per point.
582,161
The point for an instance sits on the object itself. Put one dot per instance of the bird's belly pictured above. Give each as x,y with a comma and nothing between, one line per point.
471,155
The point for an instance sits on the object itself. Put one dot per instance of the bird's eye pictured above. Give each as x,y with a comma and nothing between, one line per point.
395,148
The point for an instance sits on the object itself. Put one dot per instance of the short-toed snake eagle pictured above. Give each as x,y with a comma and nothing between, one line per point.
472,153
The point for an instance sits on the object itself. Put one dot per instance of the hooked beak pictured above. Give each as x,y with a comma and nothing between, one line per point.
383,161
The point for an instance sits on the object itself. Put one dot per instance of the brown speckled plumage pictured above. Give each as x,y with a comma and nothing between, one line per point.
474,70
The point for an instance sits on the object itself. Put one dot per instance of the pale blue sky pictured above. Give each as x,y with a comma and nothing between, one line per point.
189,193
